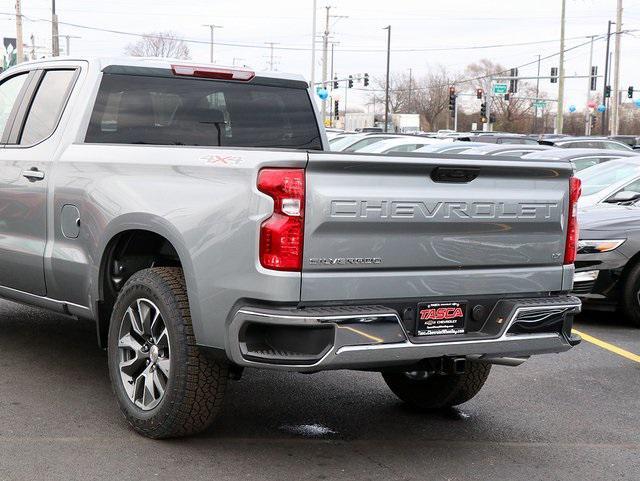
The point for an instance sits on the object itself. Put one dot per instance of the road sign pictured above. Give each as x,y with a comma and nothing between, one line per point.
500,89
540,104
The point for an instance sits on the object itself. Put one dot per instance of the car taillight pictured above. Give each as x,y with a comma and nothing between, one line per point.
572,225
282,234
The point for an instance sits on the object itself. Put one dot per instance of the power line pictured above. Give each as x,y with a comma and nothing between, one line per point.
494,74
303,49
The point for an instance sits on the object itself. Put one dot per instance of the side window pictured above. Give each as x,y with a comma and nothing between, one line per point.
9,91
47,106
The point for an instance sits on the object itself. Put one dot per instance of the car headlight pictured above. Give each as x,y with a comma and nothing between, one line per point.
595,246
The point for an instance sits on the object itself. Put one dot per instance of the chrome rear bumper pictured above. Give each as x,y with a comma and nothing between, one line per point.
368,337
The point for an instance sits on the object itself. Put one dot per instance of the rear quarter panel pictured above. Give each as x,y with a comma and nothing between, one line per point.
203,200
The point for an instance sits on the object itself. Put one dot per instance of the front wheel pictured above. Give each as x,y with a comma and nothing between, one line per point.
631,296
164,386
432,390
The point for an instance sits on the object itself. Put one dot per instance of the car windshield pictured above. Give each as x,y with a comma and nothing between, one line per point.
340,143
599,177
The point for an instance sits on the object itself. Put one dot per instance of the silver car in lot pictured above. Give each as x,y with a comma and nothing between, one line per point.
613,182
456,147
586,143
582,158
407,143
510,150
354,142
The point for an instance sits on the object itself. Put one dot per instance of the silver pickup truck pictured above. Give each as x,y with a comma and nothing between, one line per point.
195,214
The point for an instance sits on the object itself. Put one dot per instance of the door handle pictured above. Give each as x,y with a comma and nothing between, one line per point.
33,174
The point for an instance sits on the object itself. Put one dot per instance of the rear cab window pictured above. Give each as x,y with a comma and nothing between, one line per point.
162,109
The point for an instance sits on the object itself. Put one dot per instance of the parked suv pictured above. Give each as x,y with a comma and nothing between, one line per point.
196,216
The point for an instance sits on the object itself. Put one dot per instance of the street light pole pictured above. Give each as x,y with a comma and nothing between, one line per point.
615,107
535,118
603,120
212,27
55,41
313,44
19,43
386,89
587,125
560,113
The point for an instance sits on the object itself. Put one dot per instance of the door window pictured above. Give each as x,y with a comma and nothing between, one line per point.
47,106
9,91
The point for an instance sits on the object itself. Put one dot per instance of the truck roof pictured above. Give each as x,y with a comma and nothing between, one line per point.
101,63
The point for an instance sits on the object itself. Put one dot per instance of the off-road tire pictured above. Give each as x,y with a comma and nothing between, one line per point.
196,384
439,390
630,302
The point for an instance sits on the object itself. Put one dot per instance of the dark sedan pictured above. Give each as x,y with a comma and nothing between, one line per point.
608,261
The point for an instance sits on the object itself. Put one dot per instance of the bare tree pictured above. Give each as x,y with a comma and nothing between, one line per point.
159,44
515,114
427,95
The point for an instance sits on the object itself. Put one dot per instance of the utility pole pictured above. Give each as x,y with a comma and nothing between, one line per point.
560,113
325,58
19,43
386,87
313,44
615,104
410,87
535,118
271,61
587,125
68,42
55,45
331,117
603,119
211,27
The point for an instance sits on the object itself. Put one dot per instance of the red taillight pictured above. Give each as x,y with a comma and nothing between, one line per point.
212,72
282,234
572,225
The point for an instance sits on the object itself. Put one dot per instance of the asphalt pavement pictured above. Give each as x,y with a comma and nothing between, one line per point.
573,416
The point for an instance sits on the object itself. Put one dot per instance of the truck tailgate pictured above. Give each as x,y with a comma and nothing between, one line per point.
382,227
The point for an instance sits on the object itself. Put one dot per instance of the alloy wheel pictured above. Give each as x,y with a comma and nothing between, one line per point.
144,355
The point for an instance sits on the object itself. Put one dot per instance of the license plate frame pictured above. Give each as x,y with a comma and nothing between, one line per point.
444,318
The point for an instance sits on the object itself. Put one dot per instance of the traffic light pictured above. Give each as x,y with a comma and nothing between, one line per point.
594,119
366,80
507,96
335,83
350,81
513,83
594,78
630,92
607,91
452,99
483,112
554,75
479,94
336,109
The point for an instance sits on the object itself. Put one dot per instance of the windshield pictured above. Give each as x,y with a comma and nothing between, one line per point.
342,142
599,177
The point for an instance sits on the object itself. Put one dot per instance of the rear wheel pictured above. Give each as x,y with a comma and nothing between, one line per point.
631,296
432,390
165,387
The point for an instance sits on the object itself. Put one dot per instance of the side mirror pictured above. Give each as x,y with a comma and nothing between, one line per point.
623,196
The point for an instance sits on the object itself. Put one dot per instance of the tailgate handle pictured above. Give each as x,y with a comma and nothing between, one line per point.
458,175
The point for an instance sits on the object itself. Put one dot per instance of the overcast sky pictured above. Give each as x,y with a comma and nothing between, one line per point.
416,24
